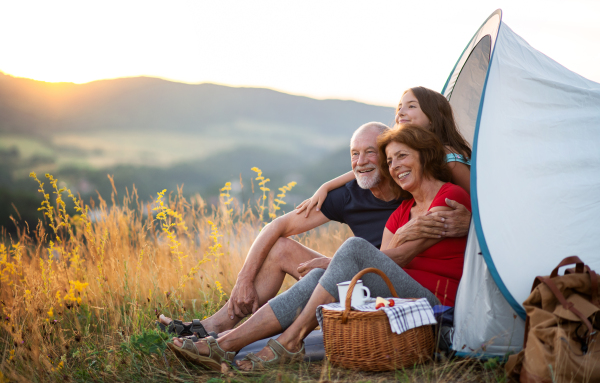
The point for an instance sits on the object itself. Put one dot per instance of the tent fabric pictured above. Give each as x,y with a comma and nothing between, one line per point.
535,179
484,322
537,166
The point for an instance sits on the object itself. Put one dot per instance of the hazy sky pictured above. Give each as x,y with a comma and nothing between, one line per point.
369,51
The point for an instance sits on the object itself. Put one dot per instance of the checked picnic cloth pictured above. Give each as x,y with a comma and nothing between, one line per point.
404,315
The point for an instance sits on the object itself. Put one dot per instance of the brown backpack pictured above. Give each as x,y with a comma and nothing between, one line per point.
561,331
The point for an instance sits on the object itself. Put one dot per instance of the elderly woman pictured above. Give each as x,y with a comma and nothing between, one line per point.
415,160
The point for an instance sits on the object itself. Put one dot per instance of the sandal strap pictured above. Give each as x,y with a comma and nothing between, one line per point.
198,328
176,326
196,338
281,351
257,363
193,338
277,348
188,345
280,356
181,329
253,358
217,353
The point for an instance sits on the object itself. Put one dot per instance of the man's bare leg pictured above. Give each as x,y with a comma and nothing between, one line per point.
284,258
291,339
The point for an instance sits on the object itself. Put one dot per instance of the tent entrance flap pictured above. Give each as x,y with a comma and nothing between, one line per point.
466,95
489,27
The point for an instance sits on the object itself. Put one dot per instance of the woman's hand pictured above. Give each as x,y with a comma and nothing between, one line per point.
319,197
316,263
316,200
425,226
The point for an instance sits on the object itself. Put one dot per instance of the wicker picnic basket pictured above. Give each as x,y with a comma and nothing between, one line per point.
364,341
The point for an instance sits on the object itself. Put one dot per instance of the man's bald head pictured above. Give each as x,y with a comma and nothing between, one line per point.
377,127
364,154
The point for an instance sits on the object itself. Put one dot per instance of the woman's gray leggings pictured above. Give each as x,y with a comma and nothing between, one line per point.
354,255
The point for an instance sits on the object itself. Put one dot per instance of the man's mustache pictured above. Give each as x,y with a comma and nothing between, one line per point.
362,168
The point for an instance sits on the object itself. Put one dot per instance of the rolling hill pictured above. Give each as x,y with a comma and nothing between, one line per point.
160,134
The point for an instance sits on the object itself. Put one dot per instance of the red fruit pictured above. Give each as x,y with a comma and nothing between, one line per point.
392,303
379,305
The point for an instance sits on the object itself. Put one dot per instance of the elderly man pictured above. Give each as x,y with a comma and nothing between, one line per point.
364,204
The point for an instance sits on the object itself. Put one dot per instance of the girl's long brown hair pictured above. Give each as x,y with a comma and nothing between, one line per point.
437,108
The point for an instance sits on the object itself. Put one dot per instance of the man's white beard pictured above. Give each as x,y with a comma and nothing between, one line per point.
368,180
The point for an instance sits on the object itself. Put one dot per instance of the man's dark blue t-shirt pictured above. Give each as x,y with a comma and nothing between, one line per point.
359,209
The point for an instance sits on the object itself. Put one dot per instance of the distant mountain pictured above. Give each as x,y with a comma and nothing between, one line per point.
159,134
151,104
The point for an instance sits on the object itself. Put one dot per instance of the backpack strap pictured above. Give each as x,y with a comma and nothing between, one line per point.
579,266
594,286
567,305
579,269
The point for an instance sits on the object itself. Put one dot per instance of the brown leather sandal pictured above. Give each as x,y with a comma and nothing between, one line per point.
189,352
282,356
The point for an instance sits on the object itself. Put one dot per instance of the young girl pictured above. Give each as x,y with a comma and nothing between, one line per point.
428,109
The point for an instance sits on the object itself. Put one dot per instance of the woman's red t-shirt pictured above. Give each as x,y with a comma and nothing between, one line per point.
440,267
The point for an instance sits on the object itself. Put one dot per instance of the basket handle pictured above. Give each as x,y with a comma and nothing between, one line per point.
353,283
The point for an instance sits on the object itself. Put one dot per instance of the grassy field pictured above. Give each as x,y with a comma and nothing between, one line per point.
80,293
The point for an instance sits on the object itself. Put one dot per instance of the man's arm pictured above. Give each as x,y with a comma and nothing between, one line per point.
244,299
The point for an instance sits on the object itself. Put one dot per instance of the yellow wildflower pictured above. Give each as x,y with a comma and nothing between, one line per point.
79,286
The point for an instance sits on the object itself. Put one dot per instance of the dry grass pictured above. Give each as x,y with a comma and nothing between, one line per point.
80,293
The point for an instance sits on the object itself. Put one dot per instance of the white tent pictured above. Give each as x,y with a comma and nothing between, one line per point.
535,179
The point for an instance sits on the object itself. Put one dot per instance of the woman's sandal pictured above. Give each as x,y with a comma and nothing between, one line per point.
189,352
179,328
282,356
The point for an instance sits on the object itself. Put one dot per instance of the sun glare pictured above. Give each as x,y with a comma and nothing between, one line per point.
48,74
334,49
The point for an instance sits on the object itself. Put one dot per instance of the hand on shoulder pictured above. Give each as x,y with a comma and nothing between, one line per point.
457,219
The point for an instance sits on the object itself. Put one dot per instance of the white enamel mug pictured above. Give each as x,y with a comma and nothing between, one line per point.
359,295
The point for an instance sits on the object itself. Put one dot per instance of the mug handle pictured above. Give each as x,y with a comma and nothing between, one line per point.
368,292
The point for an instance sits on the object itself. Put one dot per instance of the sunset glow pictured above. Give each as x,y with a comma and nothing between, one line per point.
336,49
